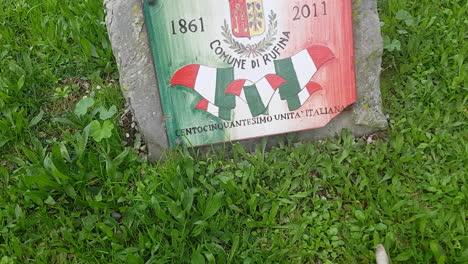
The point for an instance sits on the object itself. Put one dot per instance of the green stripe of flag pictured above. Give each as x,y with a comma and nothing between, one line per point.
223,78
285,69
225,114
294,103
254,100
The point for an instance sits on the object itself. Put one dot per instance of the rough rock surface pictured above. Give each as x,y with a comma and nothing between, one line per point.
368,50
130,43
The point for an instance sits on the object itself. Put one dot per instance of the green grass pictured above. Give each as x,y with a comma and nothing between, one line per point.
72,193
42,44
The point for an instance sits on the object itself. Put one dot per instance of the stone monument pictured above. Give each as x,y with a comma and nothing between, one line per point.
245,69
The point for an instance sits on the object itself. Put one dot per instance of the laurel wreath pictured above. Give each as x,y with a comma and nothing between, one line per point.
254,50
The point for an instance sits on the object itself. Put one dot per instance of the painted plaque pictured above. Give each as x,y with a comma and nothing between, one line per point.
238,69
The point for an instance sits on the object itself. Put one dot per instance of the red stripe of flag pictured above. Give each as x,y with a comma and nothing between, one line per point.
186,76
202,104
235,87
275,81
320,55
313,87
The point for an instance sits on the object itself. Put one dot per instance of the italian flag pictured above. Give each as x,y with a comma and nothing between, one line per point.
257,95
208,82
242,110
299,69
298,100
252,99
222,113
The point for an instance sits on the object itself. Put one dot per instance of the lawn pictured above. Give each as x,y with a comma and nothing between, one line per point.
73,192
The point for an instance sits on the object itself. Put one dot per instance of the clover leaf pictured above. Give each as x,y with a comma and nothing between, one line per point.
83,105
105,114
99,132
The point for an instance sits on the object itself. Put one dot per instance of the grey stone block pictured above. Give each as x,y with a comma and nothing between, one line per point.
130,44
368,48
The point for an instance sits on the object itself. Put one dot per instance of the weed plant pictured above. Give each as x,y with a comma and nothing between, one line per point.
71,192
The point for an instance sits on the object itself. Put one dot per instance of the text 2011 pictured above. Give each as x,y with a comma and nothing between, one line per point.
184,26
306,11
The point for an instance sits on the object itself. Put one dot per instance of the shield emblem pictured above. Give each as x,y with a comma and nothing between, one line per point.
247,18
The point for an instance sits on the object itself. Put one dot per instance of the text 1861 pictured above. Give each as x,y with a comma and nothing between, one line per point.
184,26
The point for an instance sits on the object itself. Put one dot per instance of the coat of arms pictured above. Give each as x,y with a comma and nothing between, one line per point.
247,18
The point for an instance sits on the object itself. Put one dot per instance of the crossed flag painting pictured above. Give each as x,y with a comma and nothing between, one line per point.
238,69
295,86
